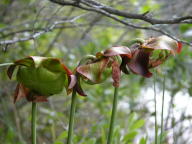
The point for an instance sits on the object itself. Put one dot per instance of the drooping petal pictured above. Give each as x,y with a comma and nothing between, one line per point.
119,50
95,72
31,61
36,98
73,81
20,92
161,48
139,63
78,87
122,51
116,73
123,65
10,70
162,43
54,65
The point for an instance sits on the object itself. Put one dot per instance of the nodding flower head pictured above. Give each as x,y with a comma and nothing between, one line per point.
96,69
40,77
151,53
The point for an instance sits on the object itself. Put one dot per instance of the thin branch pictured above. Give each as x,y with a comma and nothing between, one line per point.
111,10
90,8
37,34
99,9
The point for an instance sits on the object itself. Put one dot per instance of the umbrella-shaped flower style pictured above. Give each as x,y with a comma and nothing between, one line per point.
39,77
152,53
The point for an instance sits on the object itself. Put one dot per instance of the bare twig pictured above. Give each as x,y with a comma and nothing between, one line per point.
143,17
37,34
100,8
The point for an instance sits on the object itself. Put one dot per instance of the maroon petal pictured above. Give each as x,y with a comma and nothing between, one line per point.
38,98
123,66
11,70
72,81
78,87
119,50
20,92
94,71
162,43
116,73
139,63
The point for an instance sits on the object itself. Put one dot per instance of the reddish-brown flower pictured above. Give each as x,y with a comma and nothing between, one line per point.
152,53
96,69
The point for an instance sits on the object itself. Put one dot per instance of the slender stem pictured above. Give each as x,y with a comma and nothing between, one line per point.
6,64
71,119
155,108
161,135
114,109
53,131
33,122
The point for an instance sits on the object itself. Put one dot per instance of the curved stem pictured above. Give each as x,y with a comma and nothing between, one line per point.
114,109
161,135
71,119
33,122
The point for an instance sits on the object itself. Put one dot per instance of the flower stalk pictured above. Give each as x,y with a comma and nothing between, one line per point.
155,102
71,119
33,122
113,115
162,108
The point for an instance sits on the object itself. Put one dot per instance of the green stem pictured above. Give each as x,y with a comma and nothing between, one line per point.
155,101
161,135
6,64
114,109
33,122
53,131
71,119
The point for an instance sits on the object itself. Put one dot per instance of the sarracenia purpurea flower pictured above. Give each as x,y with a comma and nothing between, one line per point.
40,77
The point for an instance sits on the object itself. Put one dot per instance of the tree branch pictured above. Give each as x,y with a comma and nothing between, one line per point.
101,11
108,9
37,34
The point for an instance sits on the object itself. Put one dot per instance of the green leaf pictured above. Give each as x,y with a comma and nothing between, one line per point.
143,141
63,135
184,27
138,124
61,138
130,136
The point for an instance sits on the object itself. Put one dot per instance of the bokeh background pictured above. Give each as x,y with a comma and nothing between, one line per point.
40,27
